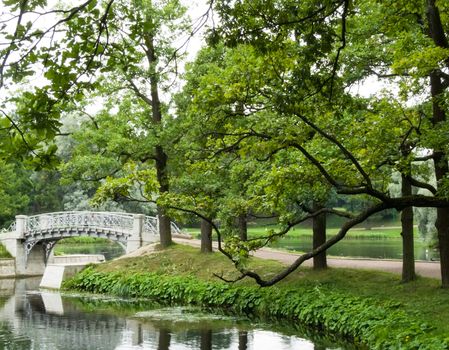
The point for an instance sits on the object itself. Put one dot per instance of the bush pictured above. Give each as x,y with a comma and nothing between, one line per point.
366,321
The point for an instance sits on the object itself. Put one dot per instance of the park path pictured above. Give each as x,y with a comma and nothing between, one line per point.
423,268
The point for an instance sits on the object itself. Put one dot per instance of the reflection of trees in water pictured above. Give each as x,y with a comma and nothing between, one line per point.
81,325
164,339
203,338
71,330
7,288
3,300
206,339
243,340
9,340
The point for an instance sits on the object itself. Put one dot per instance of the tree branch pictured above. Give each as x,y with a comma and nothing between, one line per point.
341,47
21,133
139,94
417,183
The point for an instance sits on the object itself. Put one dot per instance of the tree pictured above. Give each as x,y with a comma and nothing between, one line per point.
14,189
439,84
310,99
415,53
218,85
113,48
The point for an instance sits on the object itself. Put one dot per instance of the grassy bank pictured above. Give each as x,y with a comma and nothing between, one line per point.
4,254
355,233
84,240
369,307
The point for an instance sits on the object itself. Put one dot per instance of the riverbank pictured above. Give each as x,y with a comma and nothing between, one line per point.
370,307
376,232
429,269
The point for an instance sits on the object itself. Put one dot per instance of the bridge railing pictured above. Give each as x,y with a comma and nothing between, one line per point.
11,227
113,220
151,225
121,221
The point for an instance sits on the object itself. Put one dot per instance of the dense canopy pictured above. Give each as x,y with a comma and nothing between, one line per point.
291,110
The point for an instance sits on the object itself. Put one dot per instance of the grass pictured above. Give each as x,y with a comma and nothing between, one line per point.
83,240
185,261
355,233
422,299
4,254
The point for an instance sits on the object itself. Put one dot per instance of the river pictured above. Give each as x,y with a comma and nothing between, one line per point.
360,248
41,320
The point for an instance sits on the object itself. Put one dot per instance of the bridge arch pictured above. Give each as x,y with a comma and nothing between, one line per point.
131,231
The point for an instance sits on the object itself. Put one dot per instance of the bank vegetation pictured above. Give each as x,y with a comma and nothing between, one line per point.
369,308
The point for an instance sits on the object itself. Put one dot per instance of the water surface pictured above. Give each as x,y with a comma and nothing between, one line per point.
39,320
361,248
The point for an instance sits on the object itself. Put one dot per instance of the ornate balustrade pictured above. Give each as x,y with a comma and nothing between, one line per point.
83,219
59,220
131,231
48,228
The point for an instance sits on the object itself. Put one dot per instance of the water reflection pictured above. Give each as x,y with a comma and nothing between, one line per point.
243,340
45,320
349,247
362,248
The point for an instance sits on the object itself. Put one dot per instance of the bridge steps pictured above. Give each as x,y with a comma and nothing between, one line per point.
65,267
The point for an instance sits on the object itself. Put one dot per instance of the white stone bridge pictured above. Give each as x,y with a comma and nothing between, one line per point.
30,239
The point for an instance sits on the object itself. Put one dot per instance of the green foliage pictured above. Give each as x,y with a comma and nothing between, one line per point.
366,321
13,191
84,240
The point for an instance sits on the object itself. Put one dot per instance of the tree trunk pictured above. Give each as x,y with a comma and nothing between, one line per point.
206,237
442,225
319,237
442,222
164,221
441,171
408,257
164,228
159,153
243,227
437,90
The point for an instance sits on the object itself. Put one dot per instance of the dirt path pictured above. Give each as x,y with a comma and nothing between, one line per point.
423,268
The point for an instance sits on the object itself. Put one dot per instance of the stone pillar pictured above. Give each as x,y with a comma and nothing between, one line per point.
136,331
36,259
12,240
135,241
35,264
21,222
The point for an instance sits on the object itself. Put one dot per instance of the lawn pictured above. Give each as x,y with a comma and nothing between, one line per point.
355,233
